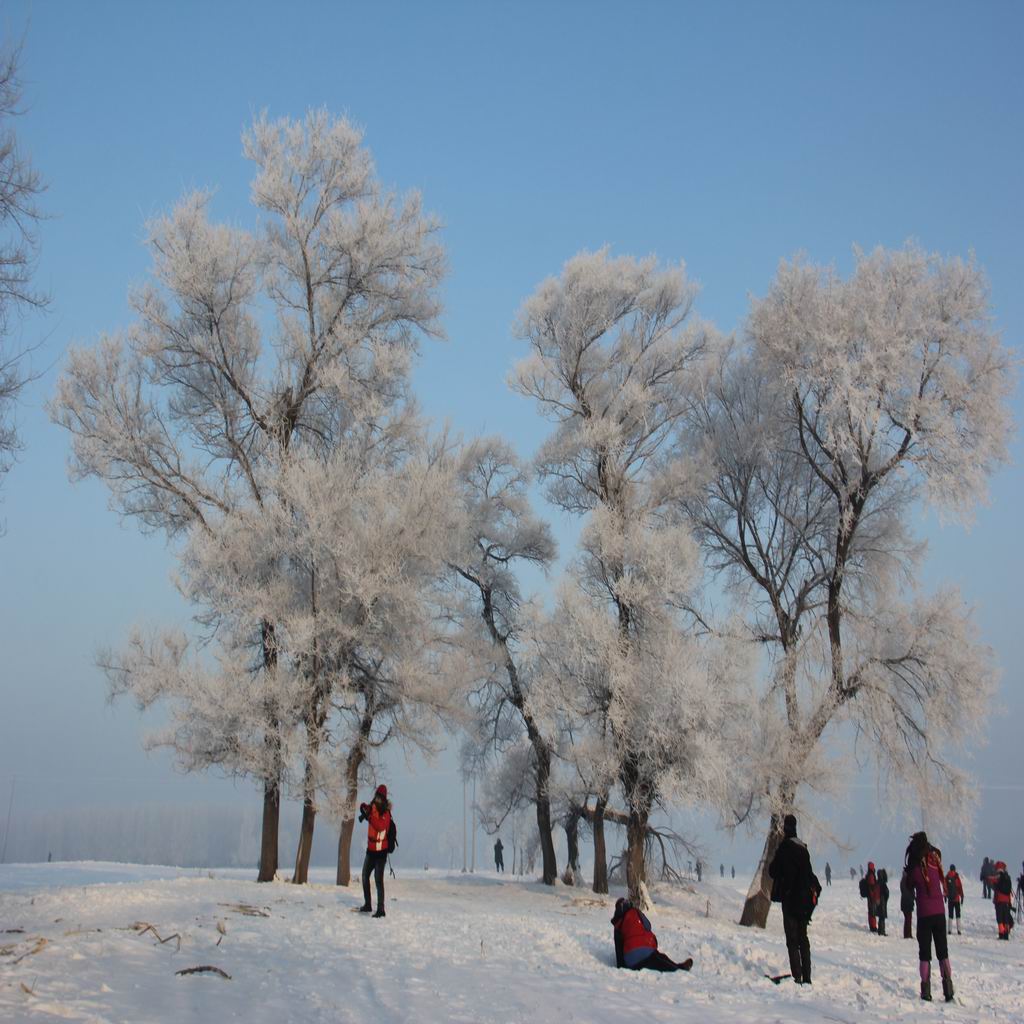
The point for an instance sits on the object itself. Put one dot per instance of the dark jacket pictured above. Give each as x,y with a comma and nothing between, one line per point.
790,871
906,894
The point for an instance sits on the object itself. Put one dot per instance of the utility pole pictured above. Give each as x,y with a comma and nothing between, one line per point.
463,823
7,827
472,866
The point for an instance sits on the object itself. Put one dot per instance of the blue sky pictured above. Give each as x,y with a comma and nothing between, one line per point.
725,135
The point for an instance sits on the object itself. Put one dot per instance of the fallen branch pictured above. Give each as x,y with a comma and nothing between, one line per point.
40,944
245,908
142,927
14,931
204,969
24,988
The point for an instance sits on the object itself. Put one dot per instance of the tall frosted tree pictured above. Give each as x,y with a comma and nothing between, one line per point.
501,533
857,400
20,187
247,345
614,353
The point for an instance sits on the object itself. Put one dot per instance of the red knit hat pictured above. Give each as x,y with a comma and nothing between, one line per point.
871,865
382,790
1000,865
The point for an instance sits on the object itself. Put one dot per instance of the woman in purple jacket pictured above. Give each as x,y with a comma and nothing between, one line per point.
924,867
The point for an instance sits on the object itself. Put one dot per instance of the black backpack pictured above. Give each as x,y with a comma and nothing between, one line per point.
1003,884
863,888
392,836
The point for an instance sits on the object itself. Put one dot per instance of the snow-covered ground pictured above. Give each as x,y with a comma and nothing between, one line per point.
460,948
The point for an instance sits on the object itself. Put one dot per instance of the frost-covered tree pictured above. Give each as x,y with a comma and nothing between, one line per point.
614,353
20,187
249,345
859,398
500,533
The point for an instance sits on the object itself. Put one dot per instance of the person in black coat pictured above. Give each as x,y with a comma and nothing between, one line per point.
907,905
796,888
883,899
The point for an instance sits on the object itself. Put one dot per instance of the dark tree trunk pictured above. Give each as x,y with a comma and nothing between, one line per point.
759,901
348,822
572,844
268,842
547,842
600,851
301,875
271,786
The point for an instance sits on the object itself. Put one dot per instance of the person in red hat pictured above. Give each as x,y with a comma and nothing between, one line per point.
1002,895
377,814
954,897
872,892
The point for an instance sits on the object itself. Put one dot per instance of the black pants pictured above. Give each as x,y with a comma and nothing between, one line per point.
374,863
499,863
954,909
799,946
932,929
657,961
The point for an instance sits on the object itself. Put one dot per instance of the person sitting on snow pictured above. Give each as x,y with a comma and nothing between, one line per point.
636,945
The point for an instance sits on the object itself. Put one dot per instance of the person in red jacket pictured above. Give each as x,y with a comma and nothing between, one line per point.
954,897
636,945
1002,896
872,892
377,814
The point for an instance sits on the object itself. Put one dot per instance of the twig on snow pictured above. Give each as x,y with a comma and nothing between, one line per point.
204,969
142,927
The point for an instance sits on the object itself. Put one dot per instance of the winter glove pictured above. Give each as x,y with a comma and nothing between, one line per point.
364,812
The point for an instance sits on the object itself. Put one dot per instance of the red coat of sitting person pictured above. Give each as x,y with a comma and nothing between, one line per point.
636,945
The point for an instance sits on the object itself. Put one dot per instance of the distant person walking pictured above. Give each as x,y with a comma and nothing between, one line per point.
721,870
987,869
828,873
733,870
907,904
924,863
853,874
954,897
797,889
499,860
1002,896
378,815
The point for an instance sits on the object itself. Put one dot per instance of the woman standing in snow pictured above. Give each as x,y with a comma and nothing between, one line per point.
924,866
378,814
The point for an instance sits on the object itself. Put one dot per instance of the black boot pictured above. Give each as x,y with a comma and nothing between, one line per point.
380,912
365,909
947,989
926,990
